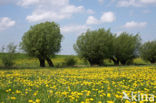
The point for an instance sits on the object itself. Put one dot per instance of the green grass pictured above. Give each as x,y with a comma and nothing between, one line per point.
24,61
75,85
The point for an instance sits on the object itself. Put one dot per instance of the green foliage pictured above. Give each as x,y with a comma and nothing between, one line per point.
140,61
148,51
95,46
126,47
60,65
8,59
70,61
42,41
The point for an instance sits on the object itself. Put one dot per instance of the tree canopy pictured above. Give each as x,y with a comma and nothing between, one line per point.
148,51
126,48
95,45
42,41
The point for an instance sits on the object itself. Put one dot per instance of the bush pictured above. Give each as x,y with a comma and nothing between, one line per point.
9,57
59,65
70,61
7,60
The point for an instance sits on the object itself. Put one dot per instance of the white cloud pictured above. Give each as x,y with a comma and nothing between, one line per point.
108,17
100,1
78,29
92,20
50,9
133,24
5,23
126,3
27,2
135,3
90,11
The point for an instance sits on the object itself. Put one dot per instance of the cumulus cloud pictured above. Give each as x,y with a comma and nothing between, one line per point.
108,17
5,23
136,3
127,3
74,29
133,24
50,9
27,2
92,20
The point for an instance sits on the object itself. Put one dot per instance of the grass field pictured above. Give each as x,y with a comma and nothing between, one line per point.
76,85
24,61
26,82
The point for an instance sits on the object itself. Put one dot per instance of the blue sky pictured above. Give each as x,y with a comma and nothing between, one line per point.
76,16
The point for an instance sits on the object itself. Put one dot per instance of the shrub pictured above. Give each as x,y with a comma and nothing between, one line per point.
9,57
70,61
59,65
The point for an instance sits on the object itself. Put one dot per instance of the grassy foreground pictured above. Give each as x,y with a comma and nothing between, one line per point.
76,85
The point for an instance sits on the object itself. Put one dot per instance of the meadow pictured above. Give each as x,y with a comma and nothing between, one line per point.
76,85
28,83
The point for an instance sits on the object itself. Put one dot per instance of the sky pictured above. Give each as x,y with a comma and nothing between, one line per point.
75,17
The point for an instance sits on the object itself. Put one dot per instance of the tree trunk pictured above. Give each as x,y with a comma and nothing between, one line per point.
116,62
152,60
50,62
123,62
42,62
95,62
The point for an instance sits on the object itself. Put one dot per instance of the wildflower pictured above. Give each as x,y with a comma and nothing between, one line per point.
30,101
37,100
13,98
110,102
108,95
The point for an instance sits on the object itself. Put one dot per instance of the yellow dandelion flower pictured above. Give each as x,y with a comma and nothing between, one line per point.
37,100
110,102
30,101
13,98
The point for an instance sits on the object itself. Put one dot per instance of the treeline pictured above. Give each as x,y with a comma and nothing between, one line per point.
43,41
97,45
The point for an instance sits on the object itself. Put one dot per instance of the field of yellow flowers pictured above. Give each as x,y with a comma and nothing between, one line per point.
78,85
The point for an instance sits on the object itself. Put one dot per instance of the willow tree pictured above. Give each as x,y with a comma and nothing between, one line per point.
126,48
148,51
95,46
42,41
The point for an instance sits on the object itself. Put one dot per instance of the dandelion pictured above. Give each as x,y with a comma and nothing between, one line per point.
13,98
110,102
108,95
30,101
37,100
